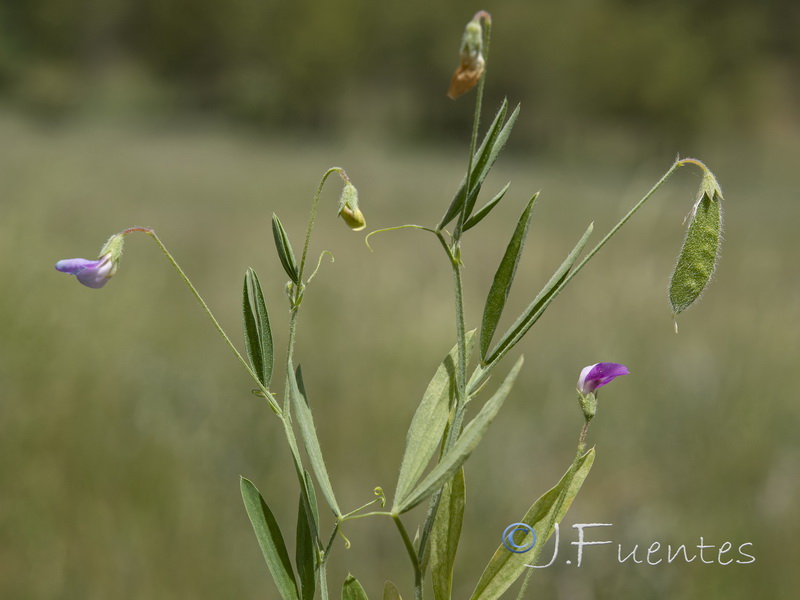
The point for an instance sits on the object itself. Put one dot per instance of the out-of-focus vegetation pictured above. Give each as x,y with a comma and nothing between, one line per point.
674,70
124,421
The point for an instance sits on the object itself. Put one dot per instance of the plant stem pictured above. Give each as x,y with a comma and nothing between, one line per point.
296,299
287,410
561,496
461,370
455,259
453,430
374,513
453,252
476,119
472,145
412,554
624,220
313,216
267,394
483,371
323,582
283,414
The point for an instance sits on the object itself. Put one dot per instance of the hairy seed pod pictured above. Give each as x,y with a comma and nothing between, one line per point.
700,251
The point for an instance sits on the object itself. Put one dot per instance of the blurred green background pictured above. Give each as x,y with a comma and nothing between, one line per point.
125,422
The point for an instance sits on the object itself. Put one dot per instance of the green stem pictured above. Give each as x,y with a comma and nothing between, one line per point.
267,394
331,539
314,216
625,219
412,554
323,582
455,260
396,228
284,416
287,420
476,119
480,375
461,371
374,513
352,514
454,429
290,355
561,496
454,254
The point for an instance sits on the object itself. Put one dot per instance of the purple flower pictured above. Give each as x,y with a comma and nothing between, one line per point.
598,375
91,273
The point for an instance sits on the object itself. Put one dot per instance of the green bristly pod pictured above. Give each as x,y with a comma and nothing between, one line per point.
700,252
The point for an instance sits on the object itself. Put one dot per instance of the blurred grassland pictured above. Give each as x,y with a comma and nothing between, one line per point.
673,71
125,422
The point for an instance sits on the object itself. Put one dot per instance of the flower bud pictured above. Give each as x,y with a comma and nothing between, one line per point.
348,208
472,63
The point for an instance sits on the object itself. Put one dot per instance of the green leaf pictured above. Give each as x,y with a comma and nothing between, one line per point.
445,535
258,333
306,551
352,590
390,591
284,248
487,208
467,442
270,539
504,277
505,566
251,338
429,422
480,158
486,163
536,308
308,433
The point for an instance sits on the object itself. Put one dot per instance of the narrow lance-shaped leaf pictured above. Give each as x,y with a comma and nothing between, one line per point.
486,165
264,329
352,590
469,440
445,535
486,208
504,277
270,539
252,343
429,422
480,158
390,591
505,566
308,433
258,333
306,550
536,308
284,248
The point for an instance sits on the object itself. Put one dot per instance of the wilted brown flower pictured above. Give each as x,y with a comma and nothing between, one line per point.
472,63
465,77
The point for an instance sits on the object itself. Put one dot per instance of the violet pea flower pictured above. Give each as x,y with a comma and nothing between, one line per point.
91,273
598,375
